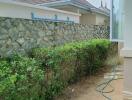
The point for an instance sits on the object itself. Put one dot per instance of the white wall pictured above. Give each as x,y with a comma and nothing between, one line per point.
128,44
127,50
15,10
128,24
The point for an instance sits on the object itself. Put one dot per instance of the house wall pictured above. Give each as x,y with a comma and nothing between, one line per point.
102,19
126,52
128,24
85,18
15,10
88,18
68,8
94,19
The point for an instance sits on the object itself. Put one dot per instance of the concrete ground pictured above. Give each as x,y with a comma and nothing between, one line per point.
86,90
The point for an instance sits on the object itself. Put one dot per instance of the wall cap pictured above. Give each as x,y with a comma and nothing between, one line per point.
126,52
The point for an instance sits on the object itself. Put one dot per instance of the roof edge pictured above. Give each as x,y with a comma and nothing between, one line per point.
38,7
58,3
68,2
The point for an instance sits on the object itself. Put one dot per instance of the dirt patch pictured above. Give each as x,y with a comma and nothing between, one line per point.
86,89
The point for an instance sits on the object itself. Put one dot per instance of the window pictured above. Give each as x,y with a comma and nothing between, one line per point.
117,20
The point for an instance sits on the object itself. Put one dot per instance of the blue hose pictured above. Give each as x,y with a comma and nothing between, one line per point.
105,84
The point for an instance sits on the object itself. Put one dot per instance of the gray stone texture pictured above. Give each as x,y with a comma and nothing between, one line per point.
21,35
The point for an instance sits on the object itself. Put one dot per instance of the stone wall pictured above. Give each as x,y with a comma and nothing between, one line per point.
20,35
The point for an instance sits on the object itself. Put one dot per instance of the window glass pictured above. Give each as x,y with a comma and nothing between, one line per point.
117,20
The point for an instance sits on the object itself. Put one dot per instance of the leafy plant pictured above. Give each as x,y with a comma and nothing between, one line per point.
50,70
77,59
21,79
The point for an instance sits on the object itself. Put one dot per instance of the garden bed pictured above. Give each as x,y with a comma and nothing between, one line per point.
48,71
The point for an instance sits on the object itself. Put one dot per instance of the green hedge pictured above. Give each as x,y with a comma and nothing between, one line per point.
79,56
45,75
68,63
20,79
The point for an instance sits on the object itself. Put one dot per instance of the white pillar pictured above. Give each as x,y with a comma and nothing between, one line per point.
126,52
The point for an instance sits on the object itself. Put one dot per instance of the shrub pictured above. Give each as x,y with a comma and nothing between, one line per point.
21,79
50,70
71,61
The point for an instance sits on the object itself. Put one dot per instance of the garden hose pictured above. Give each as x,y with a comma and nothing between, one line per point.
101,87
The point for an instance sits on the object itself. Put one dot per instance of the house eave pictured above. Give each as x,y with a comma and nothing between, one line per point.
68,2
63,3
108,15
38,7
101,12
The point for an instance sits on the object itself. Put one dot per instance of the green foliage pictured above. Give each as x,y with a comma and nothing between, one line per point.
77,59
20,79
50,70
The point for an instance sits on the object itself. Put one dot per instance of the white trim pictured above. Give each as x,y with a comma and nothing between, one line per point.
127,95
38,7
116,40
55,2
